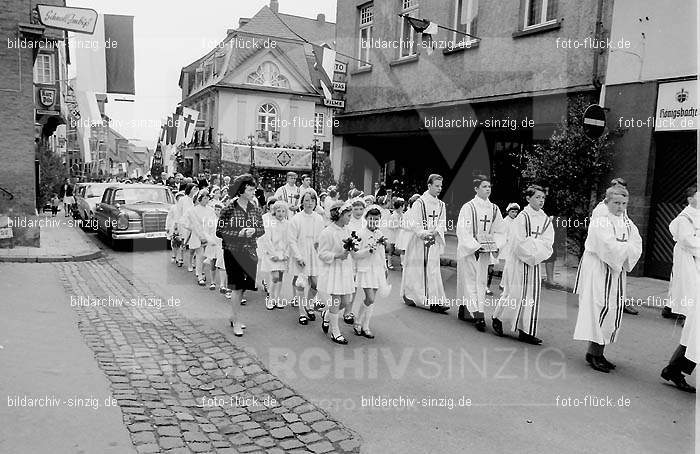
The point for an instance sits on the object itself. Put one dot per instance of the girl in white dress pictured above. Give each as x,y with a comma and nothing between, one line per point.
304,230
356,224
170,231
214,253
371,268
200,219
181,224
274,246
337,279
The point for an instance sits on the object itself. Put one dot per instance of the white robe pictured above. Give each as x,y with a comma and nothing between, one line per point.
290,195
421,282
531,237
477,219
685,274
612,248
200,220
304,231
336,276
371,266
275,243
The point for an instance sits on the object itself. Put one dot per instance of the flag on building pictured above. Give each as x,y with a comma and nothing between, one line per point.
89,113
325,64
188,123
105,60
427,30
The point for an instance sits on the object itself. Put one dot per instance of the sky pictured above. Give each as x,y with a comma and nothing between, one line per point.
170,34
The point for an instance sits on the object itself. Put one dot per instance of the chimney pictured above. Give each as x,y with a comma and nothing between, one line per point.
321,18
275,6
242,21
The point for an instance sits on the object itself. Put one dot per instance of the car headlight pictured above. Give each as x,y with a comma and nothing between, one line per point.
123,222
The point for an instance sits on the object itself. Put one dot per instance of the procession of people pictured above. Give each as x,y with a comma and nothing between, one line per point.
334,250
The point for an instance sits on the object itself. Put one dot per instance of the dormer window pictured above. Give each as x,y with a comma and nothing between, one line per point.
268,74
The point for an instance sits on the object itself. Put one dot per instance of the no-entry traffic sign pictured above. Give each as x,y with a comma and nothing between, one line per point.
594,121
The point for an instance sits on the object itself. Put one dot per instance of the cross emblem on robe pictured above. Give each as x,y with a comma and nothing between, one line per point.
188,121
623,239
537,232
433,216
485,221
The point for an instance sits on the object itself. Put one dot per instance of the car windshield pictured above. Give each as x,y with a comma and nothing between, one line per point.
127,196
94,191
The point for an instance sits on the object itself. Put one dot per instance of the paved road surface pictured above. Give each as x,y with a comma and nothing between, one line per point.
472,391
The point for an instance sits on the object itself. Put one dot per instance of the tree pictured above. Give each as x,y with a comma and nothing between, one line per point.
324,172
574,168
52,173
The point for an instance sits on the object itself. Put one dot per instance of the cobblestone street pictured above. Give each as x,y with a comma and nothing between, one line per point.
183,387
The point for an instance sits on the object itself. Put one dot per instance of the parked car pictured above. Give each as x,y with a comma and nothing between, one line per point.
133,211
87,196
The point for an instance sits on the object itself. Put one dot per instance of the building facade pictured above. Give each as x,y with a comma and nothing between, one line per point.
652,93
259,84
32,60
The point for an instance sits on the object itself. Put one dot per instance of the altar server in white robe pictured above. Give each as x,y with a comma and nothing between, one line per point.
685,229
531,237
684,289
480,234
290,193
421,282
304,231
512,212
602,210
612,249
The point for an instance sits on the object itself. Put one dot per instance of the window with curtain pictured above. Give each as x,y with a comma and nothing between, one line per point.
540,12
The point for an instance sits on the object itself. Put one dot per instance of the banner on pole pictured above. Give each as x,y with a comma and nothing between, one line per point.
267,157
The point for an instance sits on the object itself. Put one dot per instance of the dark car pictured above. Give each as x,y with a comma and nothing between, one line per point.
133,211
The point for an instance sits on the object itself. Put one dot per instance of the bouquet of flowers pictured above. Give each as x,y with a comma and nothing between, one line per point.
429,240
352,243
381,241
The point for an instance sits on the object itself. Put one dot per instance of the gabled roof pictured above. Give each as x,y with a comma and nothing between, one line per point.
267,23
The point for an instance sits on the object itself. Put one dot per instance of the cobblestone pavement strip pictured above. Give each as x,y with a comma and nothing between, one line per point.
164,367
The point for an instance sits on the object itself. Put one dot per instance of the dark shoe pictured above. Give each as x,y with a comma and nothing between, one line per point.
303,320
497,326
667,313
597,363
528,339
480,324
357,329
439,309
678,380
243,301
608,364
310,315
339,340
465,315
368,334
630,310
325,324
408,302
349,319
489,292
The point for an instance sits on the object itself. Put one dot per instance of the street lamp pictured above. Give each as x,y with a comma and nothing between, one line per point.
314,163
221,157
252,154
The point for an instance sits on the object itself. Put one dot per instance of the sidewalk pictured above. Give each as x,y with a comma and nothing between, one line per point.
61,241
44,356
641,291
